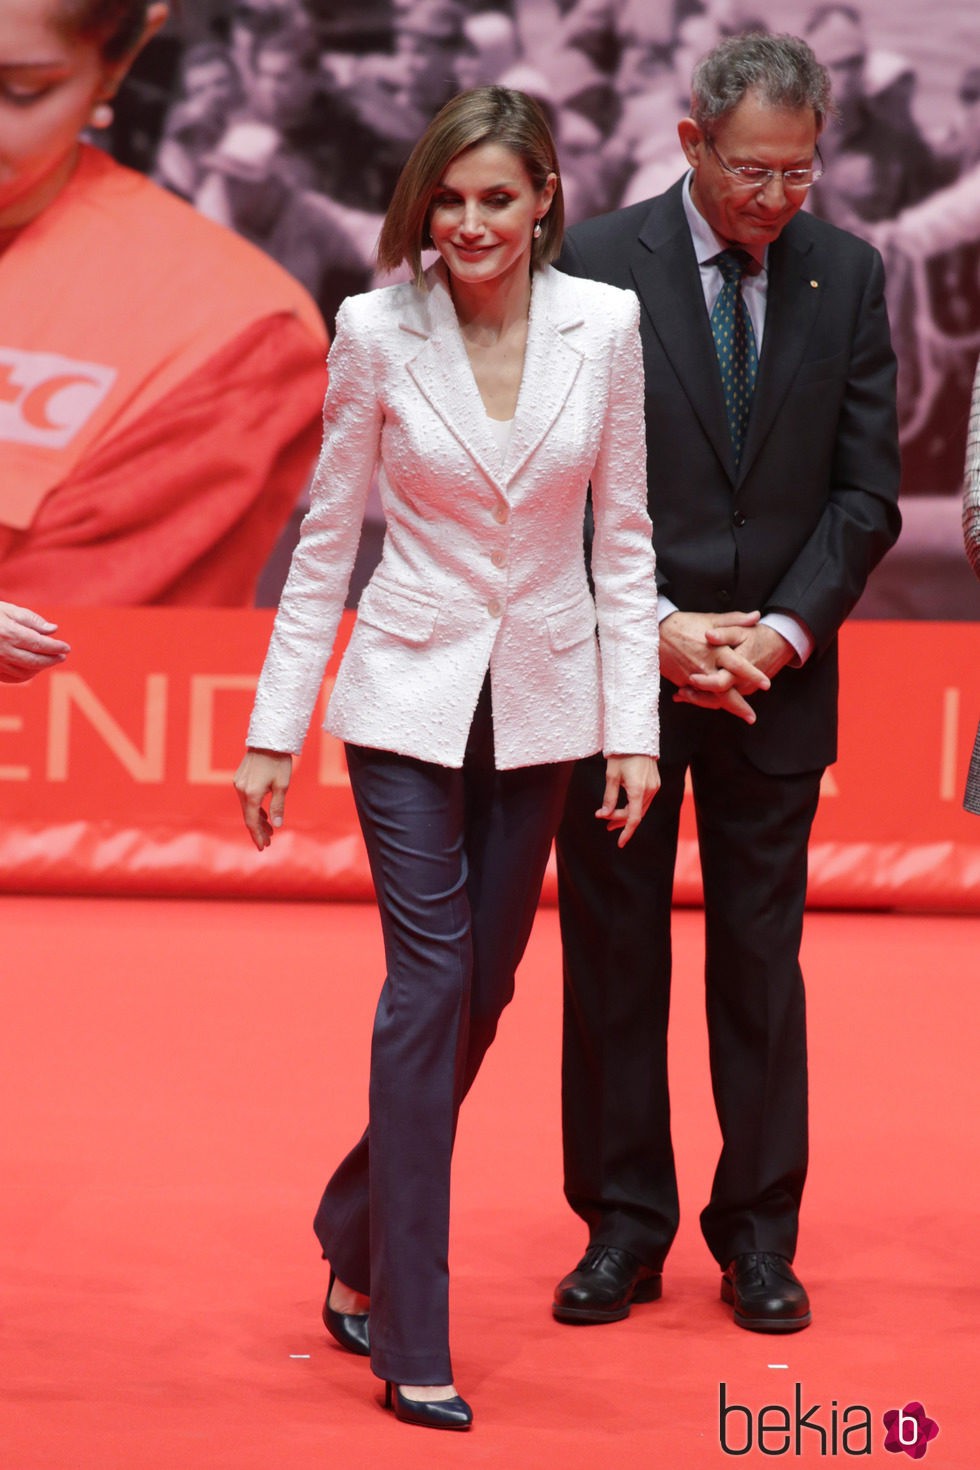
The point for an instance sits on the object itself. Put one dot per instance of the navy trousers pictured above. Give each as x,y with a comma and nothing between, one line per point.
457,858
615,912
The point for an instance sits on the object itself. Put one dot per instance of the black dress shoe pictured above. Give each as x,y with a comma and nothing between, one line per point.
350,1329
766,1293
454,1413
604,1285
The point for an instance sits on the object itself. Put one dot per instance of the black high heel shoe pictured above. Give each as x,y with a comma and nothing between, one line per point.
350,1329
454,1413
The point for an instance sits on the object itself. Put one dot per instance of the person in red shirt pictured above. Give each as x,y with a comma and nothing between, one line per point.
161,380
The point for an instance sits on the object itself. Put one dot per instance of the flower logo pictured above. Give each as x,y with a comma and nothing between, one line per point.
909,1429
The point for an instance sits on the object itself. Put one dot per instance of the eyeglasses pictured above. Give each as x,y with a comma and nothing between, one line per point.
751,176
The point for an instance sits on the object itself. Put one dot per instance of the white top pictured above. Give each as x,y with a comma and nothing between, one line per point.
501,429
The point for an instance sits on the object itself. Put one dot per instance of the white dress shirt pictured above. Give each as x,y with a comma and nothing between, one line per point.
707,246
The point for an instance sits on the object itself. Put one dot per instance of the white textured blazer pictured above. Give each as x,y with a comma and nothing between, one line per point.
483,563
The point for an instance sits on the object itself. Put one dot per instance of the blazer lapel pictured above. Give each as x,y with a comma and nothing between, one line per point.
668,283
441,370
792,302
551,365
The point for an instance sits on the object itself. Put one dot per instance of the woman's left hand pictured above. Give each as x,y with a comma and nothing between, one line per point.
638,777
263,773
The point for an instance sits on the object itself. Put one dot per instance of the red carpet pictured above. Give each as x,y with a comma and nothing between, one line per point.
177,1079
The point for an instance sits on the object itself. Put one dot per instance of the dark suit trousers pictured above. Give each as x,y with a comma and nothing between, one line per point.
615,910
457,858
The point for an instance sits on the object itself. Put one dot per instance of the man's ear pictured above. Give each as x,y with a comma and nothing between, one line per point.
692,140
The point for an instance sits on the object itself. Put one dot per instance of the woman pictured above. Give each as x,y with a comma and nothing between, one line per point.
160,380
489,392
971,539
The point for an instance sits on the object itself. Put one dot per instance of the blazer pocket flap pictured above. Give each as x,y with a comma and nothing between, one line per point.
570,625
405,615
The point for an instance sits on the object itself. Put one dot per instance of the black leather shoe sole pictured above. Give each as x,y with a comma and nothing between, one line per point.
649,1290
762,1323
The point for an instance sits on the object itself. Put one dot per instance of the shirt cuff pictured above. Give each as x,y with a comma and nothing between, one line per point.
796,633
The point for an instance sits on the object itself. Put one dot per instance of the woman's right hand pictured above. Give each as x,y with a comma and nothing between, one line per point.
263,773
26,645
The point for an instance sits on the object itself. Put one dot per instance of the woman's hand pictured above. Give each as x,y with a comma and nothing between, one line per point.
263,773
26,645
639,778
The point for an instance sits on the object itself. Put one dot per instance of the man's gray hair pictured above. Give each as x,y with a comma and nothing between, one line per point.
782,70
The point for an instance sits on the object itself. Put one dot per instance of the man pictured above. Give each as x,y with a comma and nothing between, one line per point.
789,529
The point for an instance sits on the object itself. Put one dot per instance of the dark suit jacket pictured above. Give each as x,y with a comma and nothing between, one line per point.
814,505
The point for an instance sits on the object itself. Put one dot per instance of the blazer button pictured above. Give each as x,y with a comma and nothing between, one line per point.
500,514
494,607
739,518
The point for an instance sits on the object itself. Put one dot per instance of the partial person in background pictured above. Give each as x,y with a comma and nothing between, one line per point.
284,92
27,645
946,220
490,43
651,109
399,92
250,22
877,161
358,28
878,166
210,91
160,380
971,539
487,393
250,184
961,145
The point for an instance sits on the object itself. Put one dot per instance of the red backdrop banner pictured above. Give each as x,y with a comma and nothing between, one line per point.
115,770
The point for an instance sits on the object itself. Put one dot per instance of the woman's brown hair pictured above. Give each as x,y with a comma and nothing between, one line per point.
482,115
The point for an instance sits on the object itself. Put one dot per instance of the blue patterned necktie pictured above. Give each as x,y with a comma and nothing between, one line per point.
731,327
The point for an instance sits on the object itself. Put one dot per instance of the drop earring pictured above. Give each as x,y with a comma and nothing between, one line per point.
102,115
536,232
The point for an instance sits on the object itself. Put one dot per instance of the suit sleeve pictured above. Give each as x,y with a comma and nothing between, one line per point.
623,563
313,598
861,519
